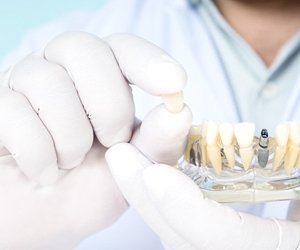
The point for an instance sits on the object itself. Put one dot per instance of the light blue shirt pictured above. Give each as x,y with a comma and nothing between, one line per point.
260,92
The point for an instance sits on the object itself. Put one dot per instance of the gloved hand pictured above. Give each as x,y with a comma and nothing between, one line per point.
59,111
175,208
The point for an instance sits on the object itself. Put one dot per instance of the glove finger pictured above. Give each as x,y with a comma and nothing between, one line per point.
127,165
26,138
162,135
104,92
53,96
146,65
198,220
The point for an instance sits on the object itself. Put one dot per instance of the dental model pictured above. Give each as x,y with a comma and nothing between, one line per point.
281,138
244,133
292,147
213,149
173,102
227,138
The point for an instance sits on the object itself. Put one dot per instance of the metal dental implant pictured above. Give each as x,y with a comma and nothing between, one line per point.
263,151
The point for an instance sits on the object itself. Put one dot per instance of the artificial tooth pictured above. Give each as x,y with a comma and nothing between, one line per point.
227,138
281,138
212,134
174,102
203,143
213,150
194,135
298,160
244,133
292,147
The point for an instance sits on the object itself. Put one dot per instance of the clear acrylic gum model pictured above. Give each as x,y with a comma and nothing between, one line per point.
230,164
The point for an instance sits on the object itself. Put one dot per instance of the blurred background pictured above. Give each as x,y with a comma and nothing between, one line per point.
18,17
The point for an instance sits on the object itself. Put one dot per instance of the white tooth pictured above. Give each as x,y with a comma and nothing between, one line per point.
174,102
203,143
214,155
294,133
212,133
227,136
292,148
282,134
281,137
244,133
213,150
204,129
226,133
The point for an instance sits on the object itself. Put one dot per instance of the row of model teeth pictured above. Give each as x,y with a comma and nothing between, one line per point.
287,138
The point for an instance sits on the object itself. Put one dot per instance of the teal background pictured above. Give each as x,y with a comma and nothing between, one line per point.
17,17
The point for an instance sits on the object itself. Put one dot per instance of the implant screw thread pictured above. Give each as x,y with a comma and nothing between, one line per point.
263,151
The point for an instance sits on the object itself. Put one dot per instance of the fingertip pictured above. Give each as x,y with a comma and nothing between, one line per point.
167,75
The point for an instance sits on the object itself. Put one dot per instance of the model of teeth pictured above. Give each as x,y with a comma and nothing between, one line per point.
227,138
244,133
173,102
203,143
292,147
281,138
213,150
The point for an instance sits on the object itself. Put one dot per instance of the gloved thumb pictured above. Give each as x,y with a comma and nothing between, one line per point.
127,165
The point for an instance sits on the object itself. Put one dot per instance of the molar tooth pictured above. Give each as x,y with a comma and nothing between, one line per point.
213,150
281,138
292,147
227,137
244,133
194,134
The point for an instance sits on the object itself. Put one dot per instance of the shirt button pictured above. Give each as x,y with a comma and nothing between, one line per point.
269,90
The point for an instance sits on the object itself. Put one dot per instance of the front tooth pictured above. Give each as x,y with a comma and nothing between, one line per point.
281,137
292,148
282,134
294,133
203,143
212,133
213,150
227,136
226,133
244,133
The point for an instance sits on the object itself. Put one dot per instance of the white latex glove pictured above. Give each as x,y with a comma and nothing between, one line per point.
51,104
183,219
